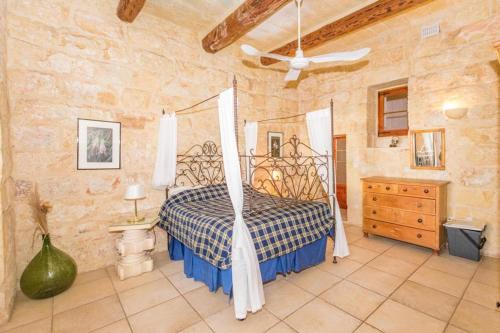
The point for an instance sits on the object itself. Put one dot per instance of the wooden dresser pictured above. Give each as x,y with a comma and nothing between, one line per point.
409,210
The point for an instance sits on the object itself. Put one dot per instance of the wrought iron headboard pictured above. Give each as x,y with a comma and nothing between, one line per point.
301,174
200,165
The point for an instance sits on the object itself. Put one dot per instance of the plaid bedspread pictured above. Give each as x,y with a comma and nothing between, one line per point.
202,219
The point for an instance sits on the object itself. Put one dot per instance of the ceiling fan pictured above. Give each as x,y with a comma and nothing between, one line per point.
300,62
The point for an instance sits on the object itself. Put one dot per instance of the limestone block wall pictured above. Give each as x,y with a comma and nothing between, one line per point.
70,59
7,249
458,66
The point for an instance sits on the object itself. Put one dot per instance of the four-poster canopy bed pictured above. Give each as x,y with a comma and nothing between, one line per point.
235,235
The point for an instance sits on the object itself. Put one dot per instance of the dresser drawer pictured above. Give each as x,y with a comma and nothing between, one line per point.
380,187
406,234
416,220
426,206
418,191
380,213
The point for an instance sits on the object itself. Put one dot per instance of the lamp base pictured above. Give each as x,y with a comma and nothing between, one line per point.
136,219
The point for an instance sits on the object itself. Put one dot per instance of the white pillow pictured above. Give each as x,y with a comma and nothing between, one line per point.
179,189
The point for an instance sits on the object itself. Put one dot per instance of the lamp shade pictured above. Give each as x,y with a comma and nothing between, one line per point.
135,192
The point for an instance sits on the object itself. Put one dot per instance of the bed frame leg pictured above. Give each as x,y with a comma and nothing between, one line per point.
334,259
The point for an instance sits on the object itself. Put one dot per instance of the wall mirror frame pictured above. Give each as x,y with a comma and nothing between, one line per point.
428,148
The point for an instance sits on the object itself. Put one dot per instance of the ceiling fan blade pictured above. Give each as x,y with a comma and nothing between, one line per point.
341,56
252,51
292,75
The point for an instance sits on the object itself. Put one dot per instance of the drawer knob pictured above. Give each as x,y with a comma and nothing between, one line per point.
374,198
419,235
426,191
374,212
419,205
420,220
405,189
369,186
374,226
387,188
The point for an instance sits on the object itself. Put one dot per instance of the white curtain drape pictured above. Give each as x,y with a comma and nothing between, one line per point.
319,131
166,153
251,130
248,292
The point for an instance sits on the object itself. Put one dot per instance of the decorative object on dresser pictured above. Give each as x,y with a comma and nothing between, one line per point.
135,192
427,149
99,144
134,247
410,210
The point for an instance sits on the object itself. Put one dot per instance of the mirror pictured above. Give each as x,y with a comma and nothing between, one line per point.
427,149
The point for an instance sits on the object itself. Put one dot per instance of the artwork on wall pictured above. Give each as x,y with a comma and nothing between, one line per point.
275,144
99,144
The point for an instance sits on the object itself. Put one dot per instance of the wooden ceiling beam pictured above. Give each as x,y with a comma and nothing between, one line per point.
247,16
129,9
372,13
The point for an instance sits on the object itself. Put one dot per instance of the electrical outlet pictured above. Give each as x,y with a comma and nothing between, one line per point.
430,30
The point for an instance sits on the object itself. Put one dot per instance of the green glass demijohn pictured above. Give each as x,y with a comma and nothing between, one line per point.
49,273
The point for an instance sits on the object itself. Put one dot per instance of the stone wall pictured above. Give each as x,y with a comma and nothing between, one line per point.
7,248
458,66
75,59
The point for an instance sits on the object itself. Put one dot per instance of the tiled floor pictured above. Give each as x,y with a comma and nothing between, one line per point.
384,286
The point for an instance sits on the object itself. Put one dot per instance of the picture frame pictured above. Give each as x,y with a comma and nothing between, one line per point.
428,149
98,144
275,144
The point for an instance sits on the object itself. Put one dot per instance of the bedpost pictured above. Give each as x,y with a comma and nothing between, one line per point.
332,174
235,110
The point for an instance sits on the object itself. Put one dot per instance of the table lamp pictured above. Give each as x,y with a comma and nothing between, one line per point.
135,192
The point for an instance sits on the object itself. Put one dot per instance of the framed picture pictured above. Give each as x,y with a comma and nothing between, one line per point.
275,144
99,145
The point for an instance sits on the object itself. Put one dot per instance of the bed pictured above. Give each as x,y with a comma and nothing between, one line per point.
289,218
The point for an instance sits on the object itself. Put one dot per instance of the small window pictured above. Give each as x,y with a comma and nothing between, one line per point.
393,112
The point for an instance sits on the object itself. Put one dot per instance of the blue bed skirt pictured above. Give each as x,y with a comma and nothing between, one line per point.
201,270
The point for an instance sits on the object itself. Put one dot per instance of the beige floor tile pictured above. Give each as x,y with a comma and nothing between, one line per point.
147,295
161,259
393,266
441,281
89,317
41,326
27,311
365,328
361,255
224,322
132,282
427,300
183,283
171,316
313,280
453,329
476,318
490,277
490,263
281,328
353,234
375,280
207,303
283,298
392,317
483,294
410,253
318,316
375,243
90,276
200,327
342,268
172,267
353,299
460,267
82,294
120,326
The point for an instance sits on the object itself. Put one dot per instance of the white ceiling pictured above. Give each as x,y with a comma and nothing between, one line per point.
203,15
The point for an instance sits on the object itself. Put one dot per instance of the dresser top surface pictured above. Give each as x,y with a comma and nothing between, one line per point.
393,180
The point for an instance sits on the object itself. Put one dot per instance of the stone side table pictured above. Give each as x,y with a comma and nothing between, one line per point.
134,246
